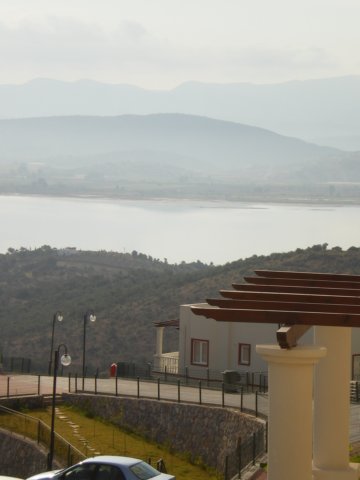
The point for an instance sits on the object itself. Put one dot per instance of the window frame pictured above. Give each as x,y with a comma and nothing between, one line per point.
201,341
241,360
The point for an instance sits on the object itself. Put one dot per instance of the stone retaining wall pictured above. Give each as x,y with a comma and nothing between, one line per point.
205,433
18,403
20,457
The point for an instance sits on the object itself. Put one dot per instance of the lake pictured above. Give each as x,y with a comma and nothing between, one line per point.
217,232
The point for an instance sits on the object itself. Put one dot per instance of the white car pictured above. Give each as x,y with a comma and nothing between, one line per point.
106,467
5,477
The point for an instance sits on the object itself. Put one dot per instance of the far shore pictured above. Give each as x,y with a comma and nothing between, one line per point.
245,202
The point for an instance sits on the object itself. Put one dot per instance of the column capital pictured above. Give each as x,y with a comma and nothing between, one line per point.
300,355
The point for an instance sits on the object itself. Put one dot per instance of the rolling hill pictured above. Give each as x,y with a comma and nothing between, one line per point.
128,292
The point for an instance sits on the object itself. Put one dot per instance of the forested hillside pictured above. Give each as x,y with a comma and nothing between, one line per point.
128,292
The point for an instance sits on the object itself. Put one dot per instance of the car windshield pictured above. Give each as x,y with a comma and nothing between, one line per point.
144,471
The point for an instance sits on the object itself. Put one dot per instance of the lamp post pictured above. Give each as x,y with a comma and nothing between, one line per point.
65,361
58,316
89,316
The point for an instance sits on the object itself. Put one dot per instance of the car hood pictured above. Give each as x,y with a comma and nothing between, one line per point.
45,475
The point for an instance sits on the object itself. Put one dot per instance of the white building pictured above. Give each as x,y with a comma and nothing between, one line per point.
208,345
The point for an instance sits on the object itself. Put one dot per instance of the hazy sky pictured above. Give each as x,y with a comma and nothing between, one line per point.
162,43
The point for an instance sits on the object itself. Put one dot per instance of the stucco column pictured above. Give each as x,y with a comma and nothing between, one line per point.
290,410
159,340
159,348
332,406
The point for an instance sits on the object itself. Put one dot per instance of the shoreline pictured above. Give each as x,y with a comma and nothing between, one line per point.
201,201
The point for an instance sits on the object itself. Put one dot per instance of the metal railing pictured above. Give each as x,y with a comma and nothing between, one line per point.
254,403
38,431
245,399
167,362
15,364
246,454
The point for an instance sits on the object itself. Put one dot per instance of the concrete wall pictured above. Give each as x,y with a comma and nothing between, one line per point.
20,457
206,433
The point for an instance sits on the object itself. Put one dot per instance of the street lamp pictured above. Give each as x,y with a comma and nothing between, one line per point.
89,316
58,316
65,361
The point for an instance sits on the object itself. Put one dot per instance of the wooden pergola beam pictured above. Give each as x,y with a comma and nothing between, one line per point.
295,300
290,297
279,317
303,282
285,306
297,289
308,275
288,335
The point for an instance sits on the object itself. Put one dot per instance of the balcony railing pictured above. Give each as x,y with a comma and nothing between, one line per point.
167,362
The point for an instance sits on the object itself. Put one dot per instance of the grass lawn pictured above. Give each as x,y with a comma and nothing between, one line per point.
93,436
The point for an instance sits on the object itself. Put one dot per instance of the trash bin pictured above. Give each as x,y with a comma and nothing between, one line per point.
231,379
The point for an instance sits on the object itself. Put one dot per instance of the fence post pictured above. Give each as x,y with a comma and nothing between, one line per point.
208,377
256,403
223,394
69,383
200,392
69,455
226,468
178,382
116,385
95,382
266,436
165,372
138,387
158,388
254,448
38,432
186,375
39,385
241,398
8,387
240,460
76,382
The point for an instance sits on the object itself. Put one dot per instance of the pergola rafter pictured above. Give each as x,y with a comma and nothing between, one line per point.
290,299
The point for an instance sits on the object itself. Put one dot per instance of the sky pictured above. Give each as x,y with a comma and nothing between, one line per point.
159,44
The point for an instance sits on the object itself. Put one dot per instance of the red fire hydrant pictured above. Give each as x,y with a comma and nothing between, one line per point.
113,369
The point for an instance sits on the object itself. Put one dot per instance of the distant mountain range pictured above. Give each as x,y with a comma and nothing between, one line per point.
325,111
176,143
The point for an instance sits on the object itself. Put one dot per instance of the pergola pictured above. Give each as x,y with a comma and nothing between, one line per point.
308,427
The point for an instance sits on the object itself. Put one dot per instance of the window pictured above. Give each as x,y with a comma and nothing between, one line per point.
244,353
200,352
81,472
109,472
144,471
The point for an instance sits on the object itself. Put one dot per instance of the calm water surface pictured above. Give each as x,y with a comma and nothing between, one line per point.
216,232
